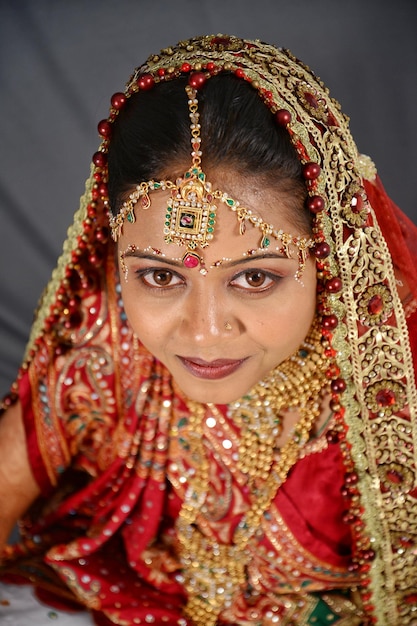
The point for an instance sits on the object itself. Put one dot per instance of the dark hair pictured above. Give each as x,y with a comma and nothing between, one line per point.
151,140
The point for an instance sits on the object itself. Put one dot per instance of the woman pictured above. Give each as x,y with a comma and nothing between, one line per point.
215,421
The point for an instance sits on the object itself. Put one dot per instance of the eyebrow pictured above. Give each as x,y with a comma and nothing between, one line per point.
246,259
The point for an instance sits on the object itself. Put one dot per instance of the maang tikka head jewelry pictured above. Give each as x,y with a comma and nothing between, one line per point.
192,209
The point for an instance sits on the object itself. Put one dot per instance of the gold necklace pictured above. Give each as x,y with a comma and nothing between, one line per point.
214,572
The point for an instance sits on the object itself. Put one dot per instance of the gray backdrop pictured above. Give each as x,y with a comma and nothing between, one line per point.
60,61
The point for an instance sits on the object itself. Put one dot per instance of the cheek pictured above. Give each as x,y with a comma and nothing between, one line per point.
145,322
152,334
289,319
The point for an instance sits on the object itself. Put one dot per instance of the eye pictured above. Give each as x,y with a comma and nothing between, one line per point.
161,278
255,280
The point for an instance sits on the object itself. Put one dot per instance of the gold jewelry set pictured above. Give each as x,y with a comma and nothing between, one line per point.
215,572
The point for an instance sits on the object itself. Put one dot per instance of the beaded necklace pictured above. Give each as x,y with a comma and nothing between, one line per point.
214,572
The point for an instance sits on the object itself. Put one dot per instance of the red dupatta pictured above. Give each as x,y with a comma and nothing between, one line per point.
92,404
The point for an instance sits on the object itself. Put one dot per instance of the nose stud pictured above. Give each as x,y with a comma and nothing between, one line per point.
228,326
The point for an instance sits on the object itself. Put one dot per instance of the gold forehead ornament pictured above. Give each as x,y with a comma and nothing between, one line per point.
192,208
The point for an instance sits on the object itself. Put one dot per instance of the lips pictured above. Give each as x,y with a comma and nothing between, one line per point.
212,370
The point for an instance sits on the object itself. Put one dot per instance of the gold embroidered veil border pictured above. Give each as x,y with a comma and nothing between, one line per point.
48,297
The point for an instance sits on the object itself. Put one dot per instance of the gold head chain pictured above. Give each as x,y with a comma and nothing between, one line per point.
191,212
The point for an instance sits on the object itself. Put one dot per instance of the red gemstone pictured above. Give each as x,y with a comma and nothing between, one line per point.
118,100
161,71
74,320
330,322
338,385
87,226
331,120
332,436
329,353
102,190
220,41
91,209
356,203
311,170
283,117
88,282
334,284
353,567
104,128
322,250
333,371
146,81
411,598
96,258
316,204
351,478
368,555
406,542
197,80
101,234
185,67
191,260
211,66
394,476
375,305
349,518
100,159
239,73
74,302
311,99
385,398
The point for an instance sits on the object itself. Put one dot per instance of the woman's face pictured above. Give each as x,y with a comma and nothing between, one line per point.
219,332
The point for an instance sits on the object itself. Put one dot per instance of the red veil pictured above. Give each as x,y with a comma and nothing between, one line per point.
106,426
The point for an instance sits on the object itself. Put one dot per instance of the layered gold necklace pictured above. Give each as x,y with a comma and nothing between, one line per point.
214,572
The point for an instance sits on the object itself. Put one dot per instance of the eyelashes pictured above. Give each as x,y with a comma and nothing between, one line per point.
256,280
251,281
159,278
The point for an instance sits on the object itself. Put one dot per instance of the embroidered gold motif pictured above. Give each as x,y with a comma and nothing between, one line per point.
375,305
385,397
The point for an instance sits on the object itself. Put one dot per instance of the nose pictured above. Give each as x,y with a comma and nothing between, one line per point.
207,318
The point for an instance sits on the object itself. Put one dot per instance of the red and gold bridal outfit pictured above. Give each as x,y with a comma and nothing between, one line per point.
109,435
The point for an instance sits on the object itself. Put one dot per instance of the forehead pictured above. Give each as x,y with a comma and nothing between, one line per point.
267,203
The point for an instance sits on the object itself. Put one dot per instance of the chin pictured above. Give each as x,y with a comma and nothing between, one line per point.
212,395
